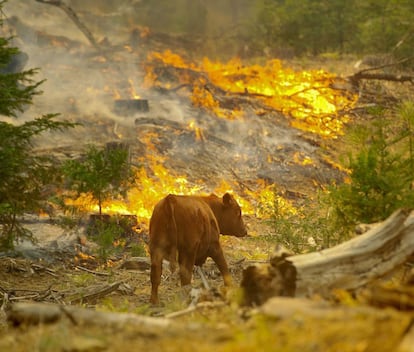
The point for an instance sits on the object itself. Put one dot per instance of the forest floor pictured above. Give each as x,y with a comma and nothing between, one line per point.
216,321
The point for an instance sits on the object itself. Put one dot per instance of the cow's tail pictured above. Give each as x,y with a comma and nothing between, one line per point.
173,232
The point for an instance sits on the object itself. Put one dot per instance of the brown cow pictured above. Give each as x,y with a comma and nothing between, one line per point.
190,226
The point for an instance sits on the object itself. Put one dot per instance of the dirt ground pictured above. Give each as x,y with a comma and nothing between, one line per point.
218,322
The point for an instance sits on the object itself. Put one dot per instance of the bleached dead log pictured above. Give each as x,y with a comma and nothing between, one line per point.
349,265
36,313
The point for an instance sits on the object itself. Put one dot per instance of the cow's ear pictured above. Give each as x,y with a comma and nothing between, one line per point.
227,198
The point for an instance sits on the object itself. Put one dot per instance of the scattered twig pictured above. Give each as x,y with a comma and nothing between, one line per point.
399,62
31,297
180,313
193,308
238,262
203,277
91,271
5,301
239,181
49,271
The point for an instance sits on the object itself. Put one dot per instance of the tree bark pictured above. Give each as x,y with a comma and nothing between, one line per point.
349,265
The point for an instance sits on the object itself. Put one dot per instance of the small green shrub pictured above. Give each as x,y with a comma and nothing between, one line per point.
138,250
102,173
381,168
105,235
311,228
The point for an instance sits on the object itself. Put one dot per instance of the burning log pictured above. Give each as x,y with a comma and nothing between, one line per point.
310,98
349,265
129,107
180,127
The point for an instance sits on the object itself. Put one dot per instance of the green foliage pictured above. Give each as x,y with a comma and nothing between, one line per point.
310,229
241,27
317,26
106,233
16,89
112,233
82,279
138,250
381,170
102,173
23,175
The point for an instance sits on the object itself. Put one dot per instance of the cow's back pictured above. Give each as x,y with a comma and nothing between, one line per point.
182,224
197,228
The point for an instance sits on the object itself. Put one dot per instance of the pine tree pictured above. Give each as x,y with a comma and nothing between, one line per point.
22,174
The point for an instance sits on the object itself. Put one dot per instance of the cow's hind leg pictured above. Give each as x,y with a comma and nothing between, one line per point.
156,271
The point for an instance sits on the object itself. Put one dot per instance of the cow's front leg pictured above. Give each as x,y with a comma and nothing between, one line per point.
218,256
186,261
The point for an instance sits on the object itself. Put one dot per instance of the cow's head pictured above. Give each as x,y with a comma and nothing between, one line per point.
230,217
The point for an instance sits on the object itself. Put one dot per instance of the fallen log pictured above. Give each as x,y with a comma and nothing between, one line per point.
43,313
382,77
92,293
349,265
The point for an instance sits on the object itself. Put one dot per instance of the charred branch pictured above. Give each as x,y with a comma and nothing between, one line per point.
382,77
74,17
93,293
366,73
179,127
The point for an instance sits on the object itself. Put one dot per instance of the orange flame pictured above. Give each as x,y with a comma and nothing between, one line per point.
301,159
132,91
197,131
306,96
